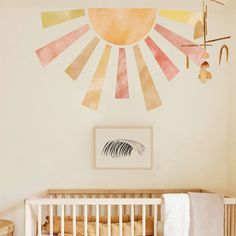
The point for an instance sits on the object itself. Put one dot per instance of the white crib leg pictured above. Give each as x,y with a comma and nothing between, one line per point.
144,220
51,220
39,220
132,220
120,219
97,220
74,220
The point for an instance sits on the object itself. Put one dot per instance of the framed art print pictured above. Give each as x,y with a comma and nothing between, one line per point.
123,148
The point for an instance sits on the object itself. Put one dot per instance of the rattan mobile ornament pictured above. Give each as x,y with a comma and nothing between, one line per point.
201,31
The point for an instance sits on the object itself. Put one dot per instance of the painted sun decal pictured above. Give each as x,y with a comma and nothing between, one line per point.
120,28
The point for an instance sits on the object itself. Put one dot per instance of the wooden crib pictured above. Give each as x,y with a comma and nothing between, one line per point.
68,206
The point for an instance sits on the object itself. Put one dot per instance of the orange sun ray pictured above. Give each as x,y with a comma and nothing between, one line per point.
76,67
93,95
151,96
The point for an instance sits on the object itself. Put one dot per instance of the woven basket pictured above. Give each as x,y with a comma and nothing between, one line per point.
6,228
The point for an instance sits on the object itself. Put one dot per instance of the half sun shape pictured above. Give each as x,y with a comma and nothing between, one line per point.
120,28
122,148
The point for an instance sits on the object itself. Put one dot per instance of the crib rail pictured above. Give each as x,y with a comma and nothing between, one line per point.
94,201
33,212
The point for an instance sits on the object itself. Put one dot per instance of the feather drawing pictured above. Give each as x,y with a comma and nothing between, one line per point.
122,148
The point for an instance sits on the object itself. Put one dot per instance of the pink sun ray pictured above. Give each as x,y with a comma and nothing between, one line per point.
194,53
52,50
167,66
122,86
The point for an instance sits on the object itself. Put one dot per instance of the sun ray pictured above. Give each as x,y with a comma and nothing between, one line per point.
167,66
58,17
93,95
151,96
49,52
122,86
194,53
186,17
76,67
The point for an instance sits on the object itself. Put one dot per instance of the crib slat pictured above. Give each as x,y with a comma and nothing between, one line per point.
150,206
55,208
109,220
74,220
120,219
132,220
34,220
125,208
85,220
51,220
62,220
225,223
39,220
233,220
228,220
97,220
155,220
144,220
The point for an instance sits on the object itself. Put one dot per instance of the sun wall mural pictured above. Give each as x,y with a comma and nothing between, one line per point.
122,28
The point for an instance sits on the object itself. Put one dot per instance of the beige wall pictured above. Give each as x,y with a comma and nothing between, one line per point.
46,135
232,176
99,3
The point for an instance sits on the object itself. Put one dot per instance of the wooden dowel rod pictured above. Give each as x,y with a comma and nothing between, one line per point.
197,45
204,25
218,39
221,3
187,62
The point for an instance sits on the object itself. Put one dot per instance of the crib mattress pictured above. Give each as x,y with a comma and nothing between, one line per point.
159,232
103,226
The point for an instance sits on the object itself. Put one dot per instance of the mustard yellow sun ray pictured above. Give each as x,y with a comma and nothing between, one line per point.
76,67
58,17
151,96
93,95
186,17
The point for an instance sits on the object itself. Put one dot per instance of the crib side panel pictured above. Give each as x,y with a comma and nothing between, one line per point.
42,219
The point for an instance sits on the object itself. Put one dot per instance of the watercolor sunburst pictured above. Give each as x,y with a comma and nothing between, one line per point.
122,28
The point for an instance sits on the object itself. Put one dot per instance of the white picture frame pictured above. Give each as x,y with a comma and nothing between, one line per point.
123,148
